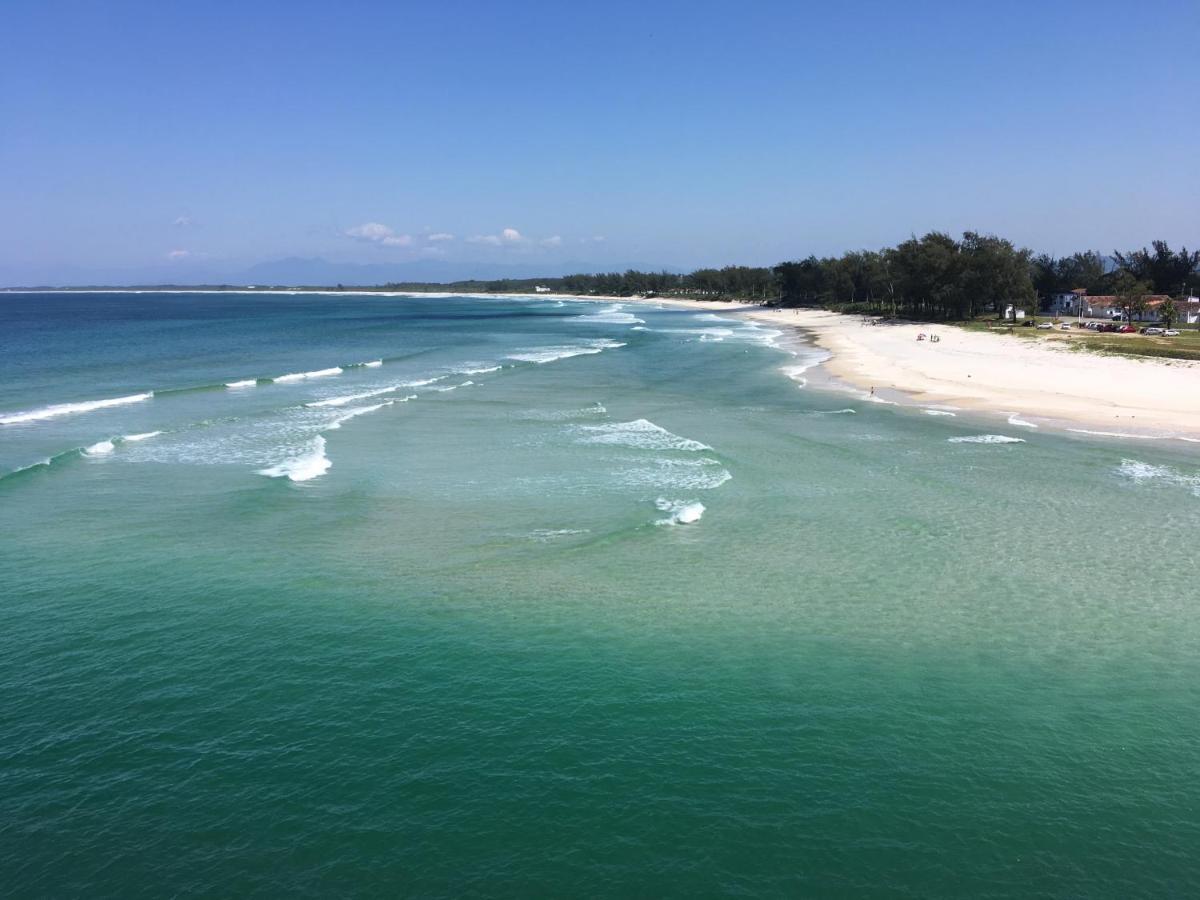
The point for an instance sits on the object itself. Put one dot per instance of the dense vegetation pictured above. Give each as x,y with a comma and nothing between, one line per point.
930,277
934,276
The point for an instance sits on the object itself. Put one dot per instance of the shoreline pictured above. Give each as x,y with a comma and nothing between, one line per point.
1027,385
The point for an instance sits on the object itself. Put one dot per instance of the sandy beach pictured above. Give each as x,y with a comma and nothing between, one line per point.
1028,383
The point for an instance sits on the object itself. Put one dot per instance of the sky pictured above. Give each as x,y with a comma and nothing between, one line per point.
194,138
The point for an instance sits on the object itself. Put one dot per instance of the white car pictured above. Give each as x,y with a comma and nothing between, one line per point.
1171,332
1045,326
1065,326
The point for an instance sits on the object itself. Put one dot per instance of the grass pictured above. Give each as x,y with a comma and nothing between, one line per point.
1185,346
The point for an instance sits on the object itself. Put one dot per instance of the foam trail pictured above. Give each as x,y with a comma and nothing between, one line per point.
67,409
942,412
237,385
682,512
350,398
309,464
640,434
144,436
1116,434
302,376
986,439
551,354
1015,419
613,315
483,370
373,364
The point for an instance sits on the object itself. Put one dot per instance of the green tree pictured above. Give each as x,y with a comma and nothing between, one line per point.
1168,313
1131,294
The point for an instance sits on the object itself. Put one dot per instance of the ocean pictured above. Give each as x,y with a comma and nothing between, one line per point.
344,594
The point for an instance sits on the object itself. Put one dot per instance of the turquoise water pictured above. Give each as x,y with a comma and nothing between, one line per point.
435,627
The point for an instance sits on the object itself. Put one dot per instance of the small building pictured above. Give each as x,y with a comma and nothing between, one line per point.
540,289
1104,306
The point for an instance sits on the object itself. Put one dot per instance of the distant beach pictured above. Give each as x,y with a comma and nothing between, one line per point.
1030,383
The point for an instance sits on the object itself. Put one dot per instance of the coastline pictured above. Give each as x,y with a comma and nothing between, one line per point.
1029,385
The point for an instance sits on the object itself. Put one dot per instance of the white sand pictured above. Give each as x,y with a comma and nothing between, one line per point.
1038,382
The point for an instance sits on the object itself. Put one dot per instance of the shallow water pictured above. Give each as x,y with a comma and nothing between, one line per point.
436,626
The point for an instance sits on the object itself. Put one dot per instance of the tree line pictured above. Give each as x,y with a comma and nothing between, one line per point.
934,276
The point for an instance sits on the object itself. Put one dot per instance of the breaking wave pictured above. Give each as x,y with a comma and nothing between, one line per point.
309,463
613,315
100,448
543,355
244,383
67,409
986,439
304,376
641,434
680,512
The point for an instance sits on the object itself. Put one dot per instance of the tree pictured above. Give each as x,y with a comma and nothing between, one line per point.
1131,294
1165,270
1168,313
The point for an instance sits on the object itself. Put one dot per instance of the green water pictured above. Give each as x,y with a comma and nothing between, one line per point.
475,657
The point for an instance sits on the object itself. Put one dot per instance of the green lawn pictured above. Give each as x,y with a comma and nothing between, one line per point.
1185,346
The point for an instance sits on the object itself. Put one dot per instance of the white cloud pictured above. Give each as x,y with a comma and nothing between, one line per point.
439,236
377,233
508,236
554,241
183,222
179,254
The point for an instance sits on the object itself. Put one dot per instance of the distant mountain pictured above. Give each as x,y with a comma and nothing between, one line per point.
305,271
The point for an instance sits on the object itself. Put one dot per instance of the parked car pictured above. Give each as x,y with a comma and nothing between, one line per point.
1045,326
1152,329
1126,329
1171,332
1065,326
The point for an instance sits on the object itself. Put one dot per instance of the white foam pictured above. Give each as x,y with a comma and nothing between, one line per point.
373,364
303,376
304,466
1015,419
357,411
144,436
682,512
937,412
702,474
100,448
796,372
236,385
641,434
545,534
67,409
483,370
613,315
1141,472
544,355
1116,434
712,317
986,439
350,398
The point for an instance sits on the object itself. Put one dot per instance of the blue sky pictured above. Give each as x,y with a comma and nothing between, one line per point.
203,136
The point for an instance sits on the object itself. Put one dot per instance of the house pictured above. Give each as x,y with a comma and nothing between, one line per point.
1079,303
540,289
1189,310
